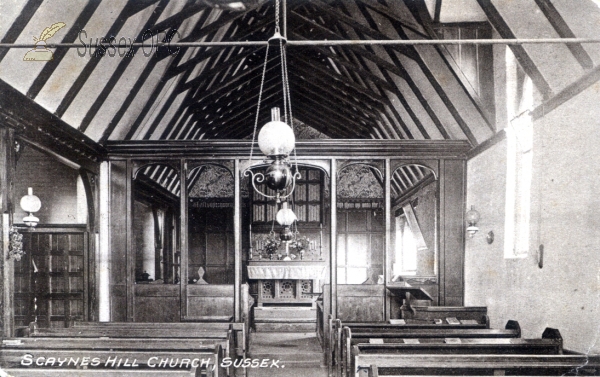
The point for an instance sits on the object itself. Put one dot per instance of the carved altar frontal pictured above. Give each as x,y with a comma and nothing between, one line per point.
285,282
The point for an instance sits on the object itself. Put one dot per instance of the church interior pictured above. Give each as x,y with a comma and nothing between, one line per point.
338,187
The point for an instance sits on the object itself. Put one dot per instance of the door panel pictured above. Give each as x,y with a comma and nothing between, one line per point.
57,292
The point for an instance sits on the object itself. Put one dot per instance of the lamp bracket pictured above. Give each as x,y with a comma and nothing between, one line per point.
260,178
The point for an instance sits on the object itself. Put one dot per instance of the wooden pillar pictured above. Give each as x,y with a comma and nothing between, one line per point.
130,253
237,241
7,281
103,242
7,168
387,249
333,240
183,237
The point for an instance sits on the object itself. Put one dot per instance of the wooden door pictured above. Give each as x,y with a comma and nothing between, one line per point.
51,278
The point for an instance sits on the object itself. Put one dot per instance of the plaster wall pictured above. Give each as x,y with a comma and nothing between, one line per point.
565,208
57,185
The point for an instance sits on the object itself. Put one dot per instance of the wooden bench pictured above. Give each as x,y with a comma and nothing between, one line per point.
230,336
423,327
111,357
550,344
237,330
443,312
453,365
352,335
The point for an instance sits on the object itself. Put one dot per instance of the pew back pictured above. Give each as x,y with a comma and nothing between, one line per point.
121,356
444,365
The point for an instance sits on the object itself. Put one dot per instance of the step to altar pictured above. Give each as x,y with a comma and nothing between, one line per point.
285,319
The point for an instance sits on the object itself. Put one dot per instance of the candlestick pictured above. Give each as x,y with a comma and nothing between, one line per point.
321,241
250,236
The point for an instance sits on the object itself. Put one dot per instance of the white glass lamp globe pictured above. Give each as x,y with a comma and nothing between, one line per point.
30,203
276,138
285,216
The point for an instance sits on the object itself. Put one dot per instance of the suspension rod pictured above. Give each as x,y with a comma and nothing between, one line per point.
408,42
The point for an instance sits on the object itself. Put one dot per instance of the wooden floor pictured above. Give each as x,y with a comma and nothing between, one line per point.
299,354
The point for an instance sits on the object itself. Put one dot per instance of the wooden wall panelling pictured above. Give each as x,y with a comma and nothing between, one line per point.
118,239
361,303
453,233
7,171
58,287
157,303
210,300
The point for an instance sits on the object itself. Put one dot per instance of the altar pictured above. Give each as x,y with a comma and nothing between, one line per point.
287,282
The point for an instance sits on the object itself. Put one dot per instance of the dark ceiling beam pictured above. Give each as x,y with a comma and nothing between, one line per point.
415,88
195,82
170,100
251,34
124,62
246,115
339,16
437,87
331,107
45,131
204,31
130,9
184,83
438,11
564,31
361,50
239,106
353,67
388,11
325,74
190,97
138,86
400,180
340,104
400,96
60,53
324,124
353,128
519,51
396,119
19,24
419,10
298,107
77,85
306,72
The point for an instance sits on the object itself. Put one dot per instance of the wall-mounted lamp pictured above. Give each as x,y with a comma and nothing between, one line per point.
30,204
472,218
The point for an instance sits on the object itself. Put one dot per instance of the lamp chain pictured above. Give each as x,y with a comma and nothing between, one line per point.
262,83
276,16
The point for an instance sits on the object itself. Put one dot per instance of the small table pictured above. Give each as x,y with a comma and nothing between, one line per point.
406,292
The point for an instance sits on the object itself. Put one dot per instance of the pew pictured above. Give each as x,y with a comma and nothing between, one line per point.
385,333
110,357
453,365
422,327
550,344
355,303
230,335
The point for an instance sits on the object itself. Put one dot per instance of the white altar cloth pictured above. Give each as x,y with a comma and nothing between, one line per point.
305,271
